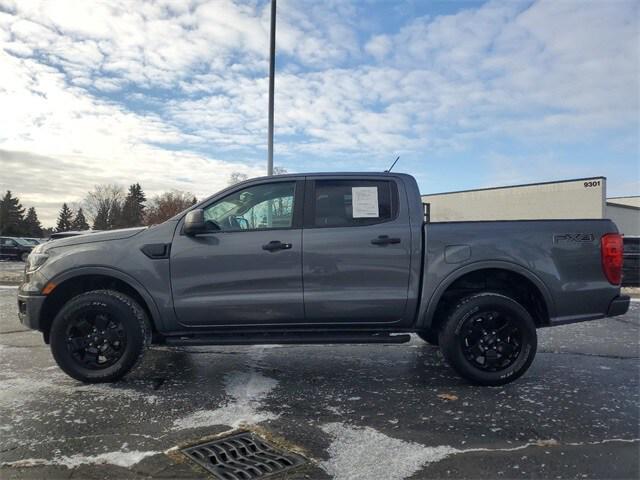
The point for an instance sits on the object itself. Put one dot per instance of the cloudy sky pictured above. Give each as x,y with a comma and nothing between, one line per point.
173,94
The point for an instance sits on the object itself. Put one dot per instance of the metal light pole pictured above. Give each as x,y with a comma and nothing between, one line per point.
272,72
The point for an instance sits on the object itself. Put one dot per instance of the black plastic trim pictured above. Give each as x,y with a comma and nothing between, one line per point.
619,306
286,338
156,251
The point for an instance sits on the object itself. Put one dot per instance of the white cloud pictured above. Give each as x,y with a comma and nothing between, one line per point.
58,142
379,46
108,92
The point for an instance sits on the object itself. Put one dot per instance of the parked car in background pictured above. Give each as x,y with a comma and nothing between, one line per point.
31,241
631,262
72,233
14,248
321,258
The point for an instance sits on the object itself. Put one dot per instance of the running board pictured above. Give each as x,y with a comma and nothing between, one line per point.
285,338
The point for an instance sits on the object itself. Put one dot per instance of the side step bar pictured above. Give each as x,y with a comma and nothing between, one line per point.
285,338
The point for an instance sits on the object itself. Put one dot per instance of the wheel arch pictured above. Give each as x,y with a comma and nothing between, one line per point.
488,271
73,282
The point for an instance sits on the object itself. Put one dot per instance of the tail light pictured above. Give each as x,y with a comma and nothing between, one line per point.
611,249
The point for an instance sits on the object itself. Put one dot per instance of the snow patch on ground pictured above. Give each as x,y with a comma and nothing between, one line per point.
365,453
118,458
18,391
247,390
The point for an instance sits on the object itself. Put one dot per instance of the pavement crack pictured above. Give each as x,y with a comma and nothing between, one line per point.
8,345
550,443
599,355
628,322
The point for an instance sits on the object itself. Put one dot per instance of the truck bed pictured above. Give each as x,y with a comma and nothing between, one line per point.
562,258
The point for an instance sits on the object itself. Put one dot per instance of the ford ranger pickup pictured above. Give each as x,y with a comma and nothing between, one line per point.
320,258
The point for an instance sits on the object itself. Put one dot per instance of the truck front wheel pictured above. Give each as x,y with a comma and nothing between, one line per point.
489,339
99,336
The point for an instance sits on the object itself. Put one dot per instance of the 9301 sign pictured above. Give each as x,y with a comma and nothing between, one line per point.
592,183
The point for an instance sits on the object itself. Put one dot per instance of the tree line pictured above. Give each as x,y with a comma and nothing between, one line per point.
106,207
14,222
109,208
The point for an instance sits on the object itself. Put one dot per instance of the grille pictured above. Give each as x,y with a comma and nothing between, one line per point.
242,456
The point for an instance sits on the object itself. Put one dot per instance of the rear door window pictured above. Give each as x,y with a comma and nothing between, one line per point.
352,203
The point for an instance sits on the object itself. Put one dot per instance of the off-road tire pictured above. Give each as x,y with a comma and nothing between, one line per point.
451,338
135,325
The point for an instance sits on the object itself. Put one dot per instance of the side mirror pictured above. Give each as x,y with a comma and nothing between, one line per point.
194,222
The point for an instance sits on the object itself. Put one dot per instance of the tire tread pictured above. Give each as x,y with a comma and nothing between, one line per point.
138,313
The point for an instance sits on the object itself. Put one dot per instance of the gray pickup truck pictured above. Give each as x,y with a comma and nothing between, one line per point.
320,258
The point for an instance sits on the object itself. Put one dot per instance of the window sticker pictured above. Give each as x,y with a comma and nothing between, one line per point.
365,202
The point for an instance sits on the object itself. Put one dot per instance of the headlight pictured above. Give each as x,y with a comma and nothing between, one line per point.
35,261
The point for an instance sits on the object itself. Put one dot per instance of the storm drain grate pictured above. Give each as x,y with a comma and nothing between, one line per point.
242,456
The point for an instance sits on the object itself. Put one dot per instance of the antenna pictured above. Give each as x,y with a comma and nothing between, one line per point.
393,164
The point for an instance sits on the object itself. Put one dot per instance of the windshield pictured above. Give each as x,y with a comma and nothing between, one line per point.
22,241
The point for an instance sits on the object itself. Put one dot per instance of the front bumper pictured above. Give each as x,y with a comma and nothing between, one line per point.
29,310
619,306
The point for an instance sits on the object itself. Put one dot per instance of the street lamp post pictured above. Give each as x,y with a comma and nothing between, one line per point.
272,72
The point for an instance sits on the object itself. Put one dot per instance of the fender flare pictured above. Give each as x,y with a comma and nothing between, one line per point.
426,319
114,273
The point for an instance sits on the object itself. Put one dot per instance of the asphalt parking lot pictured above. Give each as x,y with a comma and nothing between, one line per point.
355,411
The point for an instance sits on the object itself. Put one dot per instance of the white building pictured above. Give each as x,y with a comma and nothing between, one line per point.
625,211
575,198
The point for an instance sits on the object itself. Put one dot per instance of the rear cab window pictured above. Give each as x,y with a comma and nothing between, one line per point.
351,203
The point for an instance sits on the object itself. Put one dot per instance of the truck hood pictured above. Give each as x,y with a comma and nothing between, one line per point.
94,237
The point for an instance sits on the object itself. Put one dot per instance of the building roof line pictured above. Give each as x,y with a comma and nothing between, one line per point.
516,186
622,205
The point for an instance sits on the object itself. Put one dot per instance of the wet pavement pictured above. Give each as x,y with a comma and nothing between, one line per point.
356,411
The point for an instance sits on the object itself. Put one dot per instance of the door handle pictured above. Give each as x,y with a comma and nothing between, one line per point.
276,245
385,240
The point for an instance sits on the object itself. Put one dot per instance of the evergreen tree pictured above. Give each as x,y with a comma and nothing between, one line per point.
33,227
101,220
64,219
115,216
79,222
133,207
11,215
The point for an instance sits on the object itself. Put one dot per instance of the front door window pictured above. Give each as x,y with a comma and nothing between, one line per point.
261,207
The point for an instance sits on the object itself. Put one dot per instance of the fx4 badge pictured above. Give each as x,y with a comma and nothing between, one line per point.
573,237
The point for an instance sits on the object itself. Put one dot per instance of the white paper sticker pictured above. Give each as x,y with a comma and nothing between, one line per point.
364,201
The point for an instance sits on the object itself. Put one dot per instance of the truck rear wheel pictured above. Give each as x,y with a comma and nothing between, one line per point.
99,336
489,339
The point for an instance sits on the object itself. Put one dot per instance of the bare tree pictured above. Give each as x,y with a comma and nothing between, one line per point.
101,201
168,204
237,177
279,170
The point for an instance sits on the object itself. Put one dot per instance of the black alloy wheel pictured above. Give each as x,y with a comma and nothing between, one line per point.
489,339
95,339
99,336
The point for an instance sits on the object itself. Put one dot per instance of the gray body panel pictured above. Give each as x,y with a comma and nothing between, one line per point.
227,278
333,277
568,273
347,279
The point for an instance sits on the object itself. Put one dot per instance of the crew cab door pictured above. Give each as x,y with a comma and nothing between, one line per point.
248,268
357,251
